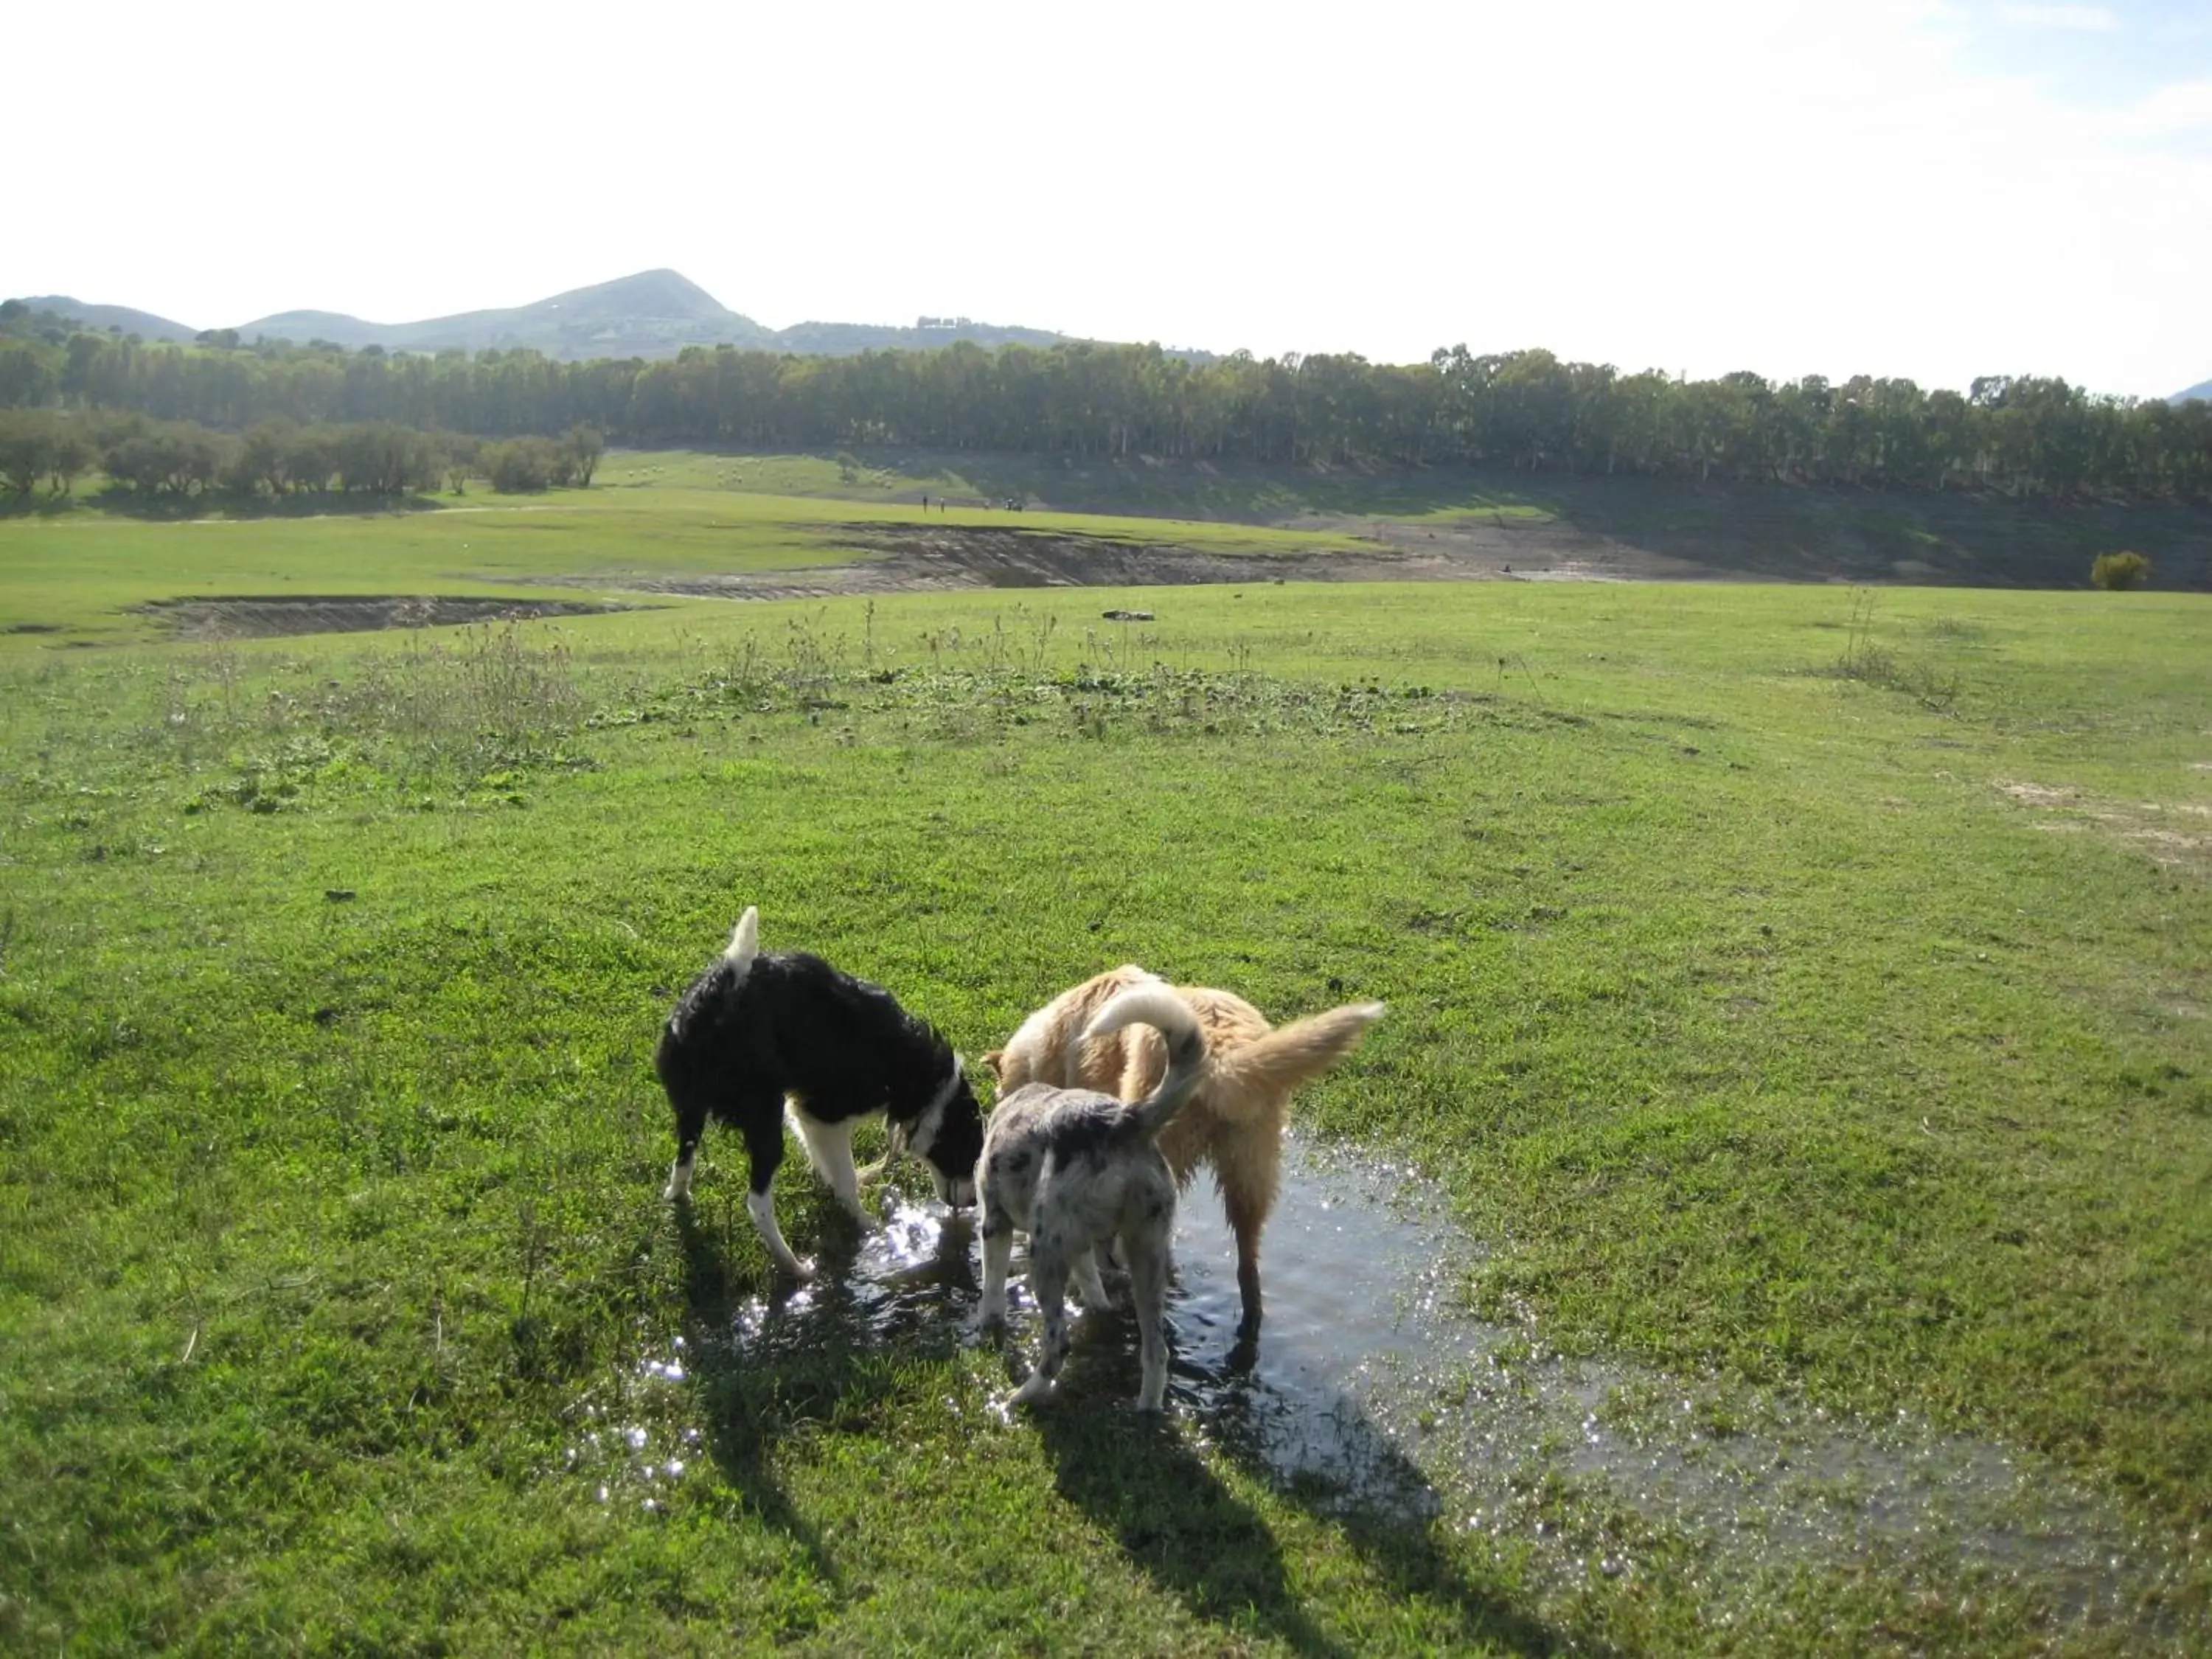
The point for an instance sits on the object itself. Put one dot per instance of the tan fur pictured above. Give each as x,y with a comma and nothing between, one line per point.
1234,1123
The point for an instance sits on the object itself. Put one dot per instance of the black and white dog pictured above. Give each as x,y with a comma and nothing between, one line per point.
1075,1170
755,1031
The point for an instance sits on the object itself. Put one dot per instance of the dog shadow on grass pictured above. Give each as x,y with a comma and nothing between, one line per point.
1351,1475
761,1361
1145,1481
1175,1519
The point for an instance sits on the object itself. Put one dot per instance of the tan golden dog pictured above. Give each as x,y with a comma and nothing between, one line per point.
1233,1123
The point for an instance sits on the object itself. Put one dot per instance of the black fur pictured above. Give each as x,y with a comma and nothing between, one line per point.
747,1034
1093,1129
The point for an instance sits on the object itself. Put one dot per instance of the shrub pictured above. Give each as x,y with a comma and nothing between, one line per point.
579,455
26,444
2119,571
519,464
172,458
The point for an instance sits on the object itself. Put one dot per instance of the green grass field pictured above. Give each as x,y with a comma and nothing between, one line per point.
73,579
1796,991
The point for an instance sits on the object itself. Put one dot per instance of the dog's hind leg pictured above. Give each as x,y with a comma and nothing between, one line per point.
1048,1264
998,1253
1148,1289
1090,1289
690,1128
1248,1218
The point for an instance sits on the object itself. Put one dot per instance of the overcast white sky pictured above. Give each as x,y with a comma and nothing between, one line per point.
1835,187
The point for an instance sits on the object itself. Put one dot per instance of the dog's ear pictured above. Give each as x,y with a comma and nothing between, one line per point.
991,1057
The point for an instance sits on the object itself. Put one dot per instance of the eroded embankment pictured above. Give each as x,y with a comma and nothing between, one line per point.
917,558
254,616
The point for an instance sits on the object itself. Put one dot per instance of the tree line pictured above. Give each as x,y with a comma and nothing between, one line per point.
49,450
2027,435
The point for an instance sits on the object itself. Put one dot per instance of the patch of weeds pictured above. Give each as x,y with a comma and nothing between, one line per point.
274,781
1957,630
486,702
1092,704
1873,664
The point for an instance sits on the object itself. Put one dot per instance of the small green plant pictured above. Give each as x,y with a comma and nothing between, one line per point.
848,467
2117,572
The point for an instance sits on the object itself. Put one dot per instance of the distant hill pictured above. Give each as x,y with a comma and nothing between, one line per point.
655,313
850,339
144,324
2202,389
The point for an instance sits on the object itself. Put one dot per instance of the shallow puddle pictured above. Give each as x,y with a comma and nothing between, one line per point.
1371,1377
1372,1391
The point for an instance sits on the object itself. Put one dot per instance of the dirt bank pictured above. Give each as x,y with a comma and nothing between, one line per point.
943,558
252,616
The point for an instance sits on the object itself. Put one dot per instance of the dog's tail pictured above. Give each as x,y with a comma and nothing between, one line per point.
1279,1062
1158,1007
744,942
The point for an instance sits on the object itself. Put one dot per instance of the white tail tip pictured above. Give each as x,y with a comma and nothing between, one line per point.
744,942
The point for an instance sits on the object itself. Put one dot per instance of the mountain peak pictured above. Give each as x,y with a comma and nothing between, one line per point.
662,293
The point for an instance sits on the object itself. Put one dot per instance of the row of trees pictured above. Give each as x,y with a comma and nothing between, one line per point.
51,449
1525,410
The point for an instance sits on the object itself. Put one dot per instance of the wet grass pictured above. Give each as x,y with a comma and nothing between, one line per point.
1764,1023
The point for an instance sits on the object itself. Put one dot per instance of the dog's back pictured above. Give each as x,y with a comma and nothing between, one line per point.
1249,1063
1234,1123
1080,1123
1049,1047
757,1030
785,1020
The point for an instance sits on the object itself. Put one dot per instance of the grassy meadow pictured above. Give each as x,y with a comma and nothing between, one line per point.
1792,988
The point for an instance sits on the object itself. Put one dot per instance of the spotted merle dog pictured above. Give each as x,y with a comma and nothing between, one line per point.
755,1032
1075,1170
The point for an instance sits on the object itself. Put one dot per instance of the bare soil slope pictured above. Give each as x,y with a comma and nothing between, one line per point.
910,559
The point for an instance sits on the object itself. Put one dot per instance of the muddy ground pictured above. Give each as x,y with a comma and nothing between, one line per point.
252,616
908,559
944,558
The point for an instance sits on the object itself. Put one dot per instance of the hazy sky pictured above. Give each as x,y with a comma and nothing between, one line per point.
1888,186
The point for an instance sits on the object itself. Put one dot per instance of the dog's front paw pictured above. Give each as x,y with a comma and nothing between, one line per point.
1035,1392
